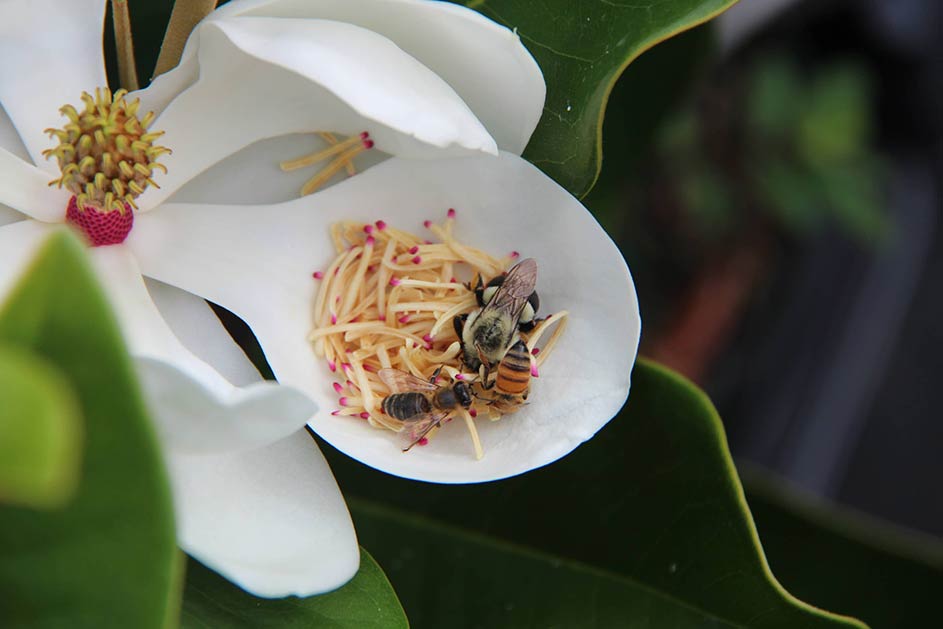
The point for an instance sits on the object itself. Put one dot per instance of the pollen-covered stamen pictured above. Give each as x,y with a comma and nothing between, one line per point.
340,152
106,154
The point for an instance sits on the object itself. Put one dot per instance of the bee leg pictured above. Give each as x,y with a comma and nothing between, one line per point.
422,435
435,374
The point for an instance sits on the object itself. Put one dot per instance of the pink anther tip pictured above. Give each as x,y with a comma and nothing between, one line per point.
371,240
318,275
381,225
473,412
459,376
535,351
368,229
515,254
423,441
342,401
451,213
417,260
404,319
368,144
427,338
364,135
336,413
533,370
333,318
338,387
370,368
427,224
394,281
332,365
414,249
365,415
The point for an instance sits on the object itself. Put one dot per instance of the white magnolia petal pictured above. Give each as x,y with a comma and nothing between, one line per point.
57,48
484,62
226,182
272,519
196,325
307,75
26,189
9,215
10,139
19,242
504,204
195,408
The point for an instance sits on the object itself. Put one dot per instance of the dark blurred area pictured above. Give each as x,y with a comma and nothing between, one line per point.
780,215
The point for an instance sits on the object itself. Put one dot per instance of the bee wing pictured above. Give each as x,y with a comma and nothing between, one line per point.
420,427
519,283
399,381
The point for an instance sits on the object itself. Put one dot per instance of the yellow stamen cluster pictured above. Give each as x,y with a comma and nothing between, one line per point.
106,154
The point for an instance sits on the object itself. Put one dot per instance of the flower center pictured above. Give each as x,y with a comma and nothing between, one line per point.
340,152
107,158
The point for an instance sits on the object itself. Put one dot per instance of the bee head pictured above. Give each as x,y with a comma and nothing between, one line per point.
463,393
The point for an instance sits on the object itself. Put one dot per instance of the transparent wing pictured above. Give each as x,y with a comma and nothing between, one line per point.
418,428
399,381
519,283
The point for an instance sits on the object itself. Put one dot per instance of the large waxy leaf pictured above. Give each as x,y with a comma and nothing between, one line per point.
653,497
366,602
451,578
582,49
108,558
40,431
844,561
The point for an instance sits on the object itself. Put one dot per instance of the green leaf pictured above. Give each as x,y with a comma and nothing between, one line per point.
582,49
653,497
108,558
451,578
368,601
40,432
845,561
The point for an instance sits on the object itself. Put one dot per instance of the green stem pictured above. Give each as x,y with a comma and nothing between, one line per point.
121,21
184,18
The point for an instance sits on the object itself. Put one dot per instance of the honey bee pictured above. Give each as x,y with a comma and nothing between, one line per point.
487,333
419,403
511,384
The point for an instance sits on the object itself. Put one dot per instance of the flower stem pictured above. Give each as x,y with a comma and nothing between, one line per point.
121,21
185,16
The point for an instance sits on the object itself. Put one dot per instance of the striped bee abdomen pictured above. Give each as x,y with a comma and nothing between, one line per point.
514,370
406,406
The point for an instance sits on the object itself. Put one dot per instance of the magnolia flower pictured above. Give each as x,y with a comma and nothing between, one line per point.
254,498
448,100
503,204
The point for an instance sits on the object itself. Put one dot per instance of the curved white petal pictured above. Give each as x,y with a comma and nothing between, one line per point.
10,139
19,242
195,408
485,63
265,77
51,52
226,182
272,520
26,189
267,254
192,321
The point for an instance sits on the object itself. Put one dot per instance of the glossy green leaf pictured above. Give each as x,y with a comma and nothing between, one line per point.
108,558
845,561
582,49
452,578
366,602
40,432
653,497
